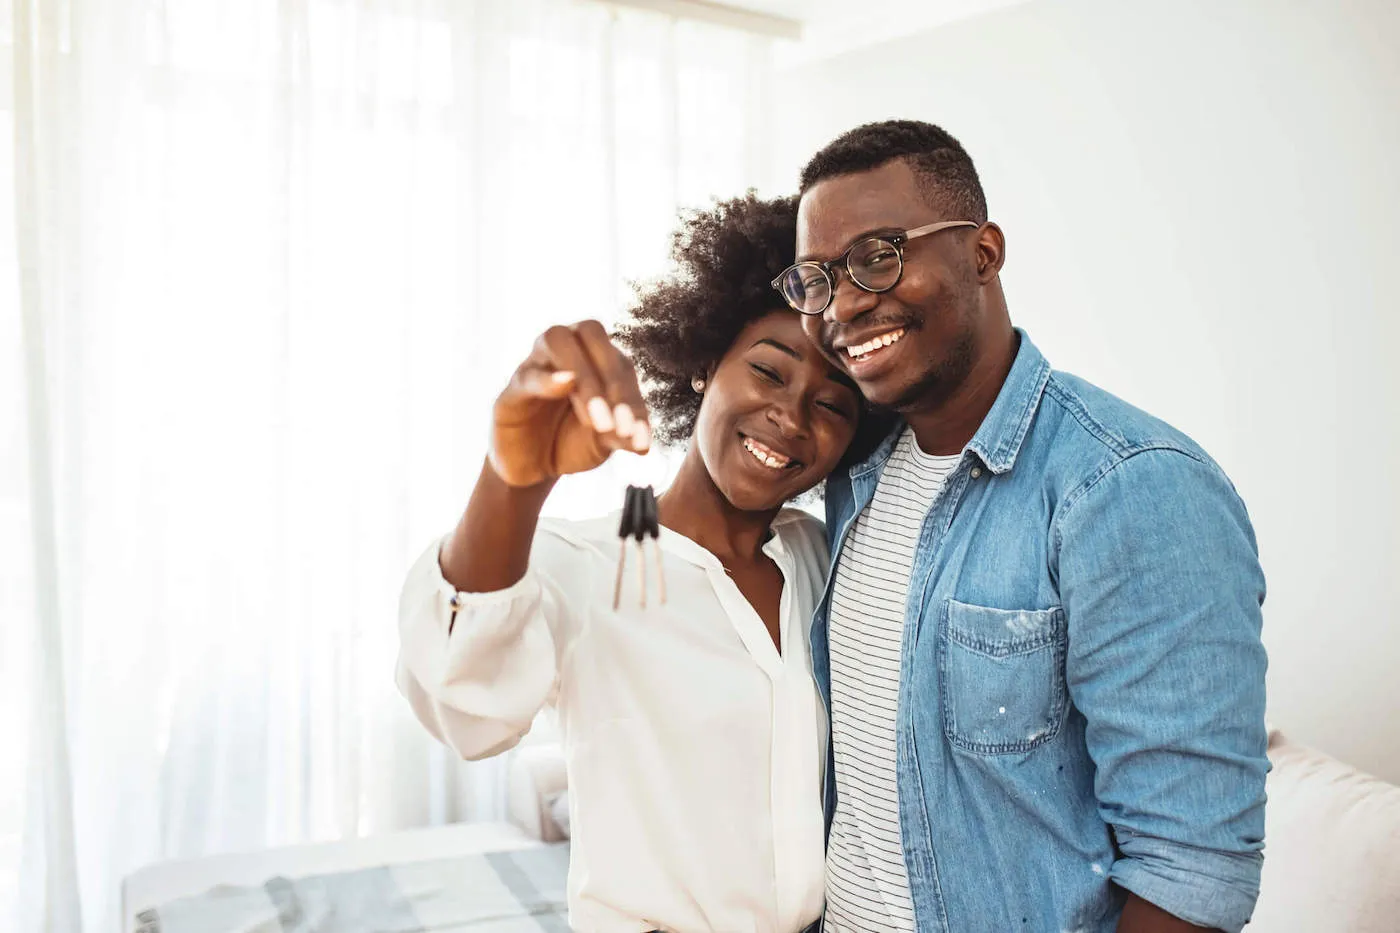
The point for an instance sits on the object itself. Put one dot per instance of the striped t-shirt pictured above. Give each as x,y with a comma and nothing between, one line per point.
867,888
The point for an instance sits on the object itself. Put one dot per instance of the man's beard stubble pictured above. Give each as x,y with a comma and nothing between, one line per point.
934,387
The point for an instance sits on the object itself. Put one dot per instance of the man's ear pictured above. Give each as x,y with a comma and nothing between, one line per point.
991,252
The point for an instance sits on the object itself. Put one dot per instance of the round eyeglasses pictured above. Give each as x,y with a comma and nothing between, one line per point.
873,264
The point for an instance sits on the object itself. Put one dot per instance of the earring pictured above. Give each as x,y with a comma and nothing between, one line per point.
698,384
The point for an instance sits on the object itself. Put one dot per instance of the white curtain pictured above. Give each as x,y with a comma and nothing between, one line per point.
263,265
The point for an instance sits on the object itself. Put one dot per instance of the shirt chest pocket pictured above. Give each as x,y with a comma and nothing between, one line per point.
1002,677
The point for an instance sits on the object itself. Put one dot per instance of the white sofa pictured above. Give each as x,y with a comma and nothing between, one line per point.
536,779
1332,847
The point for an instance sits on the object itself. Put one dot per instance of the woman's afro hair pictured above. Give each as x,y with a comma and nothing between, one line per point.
725,258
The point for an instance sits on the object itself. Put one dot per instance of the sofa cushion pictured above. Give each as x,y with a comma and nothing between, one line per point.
1332,847
559,812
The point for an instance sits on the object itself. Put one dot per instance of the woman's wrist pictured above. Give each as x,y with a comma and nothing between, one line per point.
490,548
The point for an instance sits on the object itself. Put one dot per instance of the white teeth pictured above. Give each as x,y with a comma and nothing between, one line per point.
763,455
875,343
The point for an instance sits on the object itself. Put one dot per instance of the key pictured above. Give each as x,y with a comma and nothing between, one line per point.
639,522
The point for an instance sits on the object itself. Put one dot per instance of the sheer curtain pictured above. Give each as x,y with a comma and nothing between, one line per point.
263,265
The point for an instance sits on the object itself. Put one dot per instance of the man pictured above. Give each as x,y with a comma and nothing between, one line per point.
1040,645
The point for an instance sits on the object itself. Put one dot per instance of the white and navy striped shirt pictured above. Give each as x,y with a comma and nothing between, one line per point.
867,888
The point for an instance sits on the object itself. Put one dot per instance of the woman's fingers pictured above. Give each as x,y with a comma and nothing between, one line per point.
603,384
561,351
619,381
542,383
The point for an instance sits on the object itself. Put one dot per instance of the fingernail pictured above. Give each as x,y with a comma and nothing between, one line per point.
561,377
641,438
599,414
626,421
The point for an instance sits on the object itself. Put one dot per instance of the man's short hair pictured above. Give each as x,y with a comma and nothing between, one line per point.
947,178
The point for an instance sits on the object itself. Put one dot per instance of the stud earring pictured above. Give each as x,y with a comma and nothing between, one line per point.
698,384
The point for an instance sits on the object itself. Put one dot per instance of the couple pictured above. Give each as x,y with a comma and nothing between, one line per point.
1034,646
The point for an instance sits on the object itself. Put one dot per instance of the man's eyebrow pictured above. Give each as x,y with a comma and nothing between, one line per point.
778,346
877,231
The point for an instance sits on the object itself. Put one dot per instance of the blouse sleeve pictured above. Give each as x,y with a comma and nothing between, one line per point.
477,667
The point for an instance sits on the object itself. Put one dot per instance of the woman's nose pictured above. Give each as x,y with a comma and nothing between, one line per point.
789,419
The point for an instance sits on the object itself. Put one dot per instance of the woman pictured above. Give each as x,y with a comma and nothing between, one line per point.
693,734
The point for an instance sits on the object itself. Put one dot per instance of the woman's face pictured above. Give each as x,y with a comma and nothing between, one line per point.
776,417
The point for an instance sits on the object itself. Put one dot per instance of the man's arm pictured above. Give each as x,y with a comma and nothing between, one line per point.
1141,917
1161,585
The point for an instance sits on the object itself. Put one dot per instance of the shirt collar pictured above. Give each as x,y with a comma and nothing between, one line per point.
673,542
1003,431
998,441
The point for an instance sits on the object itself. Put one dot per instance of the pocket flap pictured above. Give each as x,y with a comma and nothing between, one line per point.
998,633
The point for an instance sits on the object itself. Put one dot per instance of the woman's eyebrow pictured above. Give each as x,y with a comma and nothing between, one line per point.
778,346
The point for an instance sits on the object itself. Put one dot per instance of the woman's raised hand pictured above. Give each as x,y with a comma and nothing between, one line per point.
568,406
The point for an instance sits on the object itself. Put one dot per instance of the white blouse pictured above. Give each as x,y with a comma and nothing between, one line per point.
694,749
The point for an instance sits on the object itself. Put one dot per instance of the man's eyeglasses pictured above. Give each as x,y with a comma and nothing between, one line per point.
873,264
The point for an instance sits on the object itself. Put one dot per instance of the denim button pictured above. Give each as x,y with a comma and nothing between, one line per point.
976,472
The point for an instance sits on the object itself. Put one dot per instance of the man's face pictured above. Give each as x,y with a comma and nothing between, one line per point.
926,325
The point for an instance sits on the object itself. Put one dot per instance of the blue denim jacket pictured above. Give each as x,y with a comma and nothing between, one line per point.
1081,695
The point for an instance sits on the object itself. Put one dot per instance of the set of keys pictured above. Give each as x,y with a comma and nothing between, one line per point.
639,522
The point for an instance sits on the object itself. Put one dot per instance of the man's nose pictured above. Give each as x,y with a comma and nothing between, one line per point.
849,301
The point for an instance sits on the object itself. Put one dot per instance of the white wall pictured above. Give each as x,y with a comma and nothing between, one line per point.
1202,206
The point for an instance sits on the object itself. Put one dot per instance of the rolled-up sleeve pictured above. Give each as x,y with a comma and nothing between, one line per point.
1162,589
477,674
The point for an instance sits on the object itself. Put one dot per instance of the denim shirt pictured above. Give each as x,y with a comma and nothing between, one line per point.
1081,695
